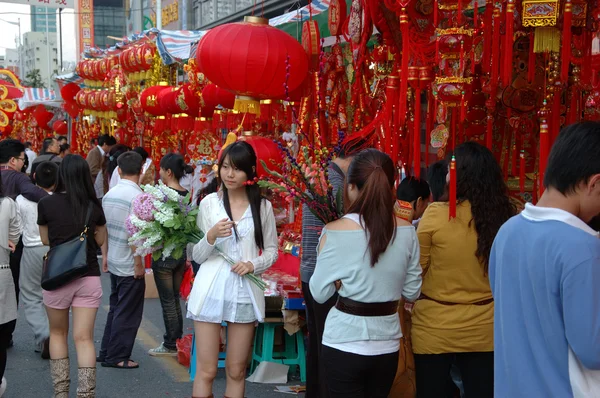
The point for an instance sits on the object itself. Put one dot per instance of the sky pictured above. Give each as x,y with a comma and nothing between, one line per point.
9,33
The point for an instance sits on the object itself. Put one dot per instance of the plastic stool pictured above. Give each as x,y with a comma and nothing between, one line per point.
220,364
294,354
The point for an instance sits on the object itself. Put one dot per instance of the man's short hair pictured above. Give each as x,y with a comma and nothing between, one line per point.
142,152
61,138
111,141
130,163
10,149
46,174
575,157
46,144
27,144
411,189
103,139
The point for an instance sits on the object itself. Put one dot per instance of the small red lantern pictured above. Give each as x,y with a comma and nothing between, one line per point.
72,109
69,91
249,58
266,150
453,41
60,127
150,102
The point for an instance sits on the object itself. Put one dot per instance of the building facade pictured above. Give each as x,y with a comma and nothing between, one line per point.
109,20
40,51
39,15
210,13
12,61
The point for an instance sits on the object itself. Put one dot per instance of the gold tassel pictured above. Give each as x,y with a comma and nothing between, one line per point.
247,105
546,39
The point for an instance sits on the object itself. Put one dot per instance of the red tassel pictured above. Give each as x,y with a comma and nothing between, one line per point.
495,51
404,68
508,44
462,58
522,172
487,35
475,11
586,65
459,12
566,42
453,125
463,109
417,134
452,189
429,125
435,13
531,60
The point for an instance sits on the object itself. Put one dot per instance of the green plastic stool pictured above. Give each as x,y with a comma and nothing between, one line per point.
294,354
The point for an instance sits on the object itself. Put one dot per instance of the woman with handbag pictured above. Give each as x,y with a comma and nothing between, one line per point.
372,258
72,223
10,232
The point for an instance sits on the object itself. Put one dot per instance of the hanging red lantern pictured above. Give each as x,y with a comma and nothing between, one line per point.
214,96
266,150
69,91
42,116
149,100
186,101
148,56
72,109
311,41
167,102
337,17
249,58
60,127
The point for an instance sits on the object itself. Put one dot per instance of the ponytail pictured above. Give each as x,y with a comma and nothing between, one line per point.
372,172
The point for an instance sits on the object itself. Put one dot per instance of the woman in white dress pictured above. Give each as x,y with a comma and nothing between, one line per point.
241,223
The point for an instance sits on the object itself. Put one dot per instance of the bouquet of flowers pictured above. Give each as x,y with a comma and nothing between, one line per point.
163,223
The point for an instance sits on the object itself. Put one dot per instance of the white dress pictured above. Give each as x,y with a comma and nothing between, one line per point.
218,294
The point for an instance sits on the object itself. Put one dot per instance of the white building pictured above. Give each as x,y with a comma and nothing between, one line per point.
12,61
40,51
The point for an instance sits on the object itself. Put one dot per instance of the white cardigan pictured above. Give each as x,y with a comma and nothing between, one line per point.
215,279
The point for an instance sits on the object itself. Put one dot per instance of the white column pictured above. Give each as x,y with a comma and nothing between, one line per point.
48,50
159,14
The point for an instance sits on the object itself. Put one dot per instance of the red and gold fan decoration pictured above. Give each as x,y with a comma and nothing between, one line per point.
7,107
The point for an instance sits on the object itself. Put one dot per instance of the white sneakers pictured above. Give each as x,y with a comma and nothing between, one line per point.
3,387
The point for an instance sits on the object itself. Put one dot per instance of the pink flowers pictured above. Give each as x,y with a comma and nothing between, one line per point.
143,207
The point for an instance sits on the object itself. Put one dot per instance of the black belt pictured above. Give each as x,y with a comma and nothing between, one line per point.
358,308
481,302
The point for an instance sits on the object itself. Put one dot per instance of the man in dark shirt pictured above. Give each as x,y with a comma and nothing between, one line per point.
15,183
50,152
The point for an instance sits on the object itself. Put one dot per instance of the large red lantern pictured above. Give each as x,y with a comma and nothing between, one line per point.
69,91
266,150
150,102
249,58
214,96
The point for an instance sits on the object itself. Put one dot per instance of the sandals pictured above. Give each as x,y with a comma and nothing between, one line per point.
126,365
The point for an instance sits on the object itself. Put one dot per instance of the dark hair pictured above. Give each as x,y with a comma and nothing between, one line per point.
142,152
103,139
46,174
373,173
94,141
64,148
574,158
436,176
110,141
479,180
61,137
113,156
74,178
27,144
242,156
130,163
175,163
211,187
411,189
46,144
10,149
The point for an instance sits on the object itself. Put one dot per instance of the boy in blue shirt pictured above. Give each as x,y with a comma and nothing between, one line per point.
545,278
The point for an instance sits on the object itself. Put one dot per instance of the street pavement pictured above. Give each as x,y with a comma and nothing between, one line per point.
28,376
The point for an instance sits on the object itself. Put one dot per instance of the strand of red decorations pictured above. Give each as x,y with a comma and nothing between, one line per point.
459,12
391,98
404,68
522,171
566,42
531,60
428,125
435,13
544,145
508,44
489,133
495,51
417,134
475,12
452,189
487,35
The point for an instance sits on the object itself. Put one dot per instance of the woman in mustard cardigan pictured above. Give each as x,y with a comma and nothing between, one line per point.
454,318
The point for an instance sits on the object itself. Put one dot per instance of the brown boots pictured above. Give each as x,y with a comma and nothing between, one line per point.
86,379
59,369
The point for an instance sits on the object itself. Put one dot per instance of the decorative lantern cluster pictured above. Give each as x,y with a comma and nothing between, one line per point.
94,71
137,61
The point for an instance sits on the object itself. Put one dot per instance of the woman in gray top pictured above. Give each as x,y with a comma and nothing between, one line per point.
372,259
10,232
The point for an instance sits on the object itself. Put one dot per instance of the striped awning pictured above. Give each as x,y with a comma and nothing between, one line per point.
35,96
174,46
315,7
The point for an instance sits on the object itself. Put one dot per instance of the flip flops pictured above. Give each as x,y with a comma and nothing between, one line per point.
126,365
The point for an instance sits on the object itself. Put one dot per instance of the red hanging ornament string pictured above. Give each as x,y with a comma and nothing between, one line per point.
463,108
544,144
554,128
489,132
428,125
508,44
531,60
453,124
404,68
495,51
475,12
522,171
435,13
417,134
459,12
566,42
452,189
391,98
487,35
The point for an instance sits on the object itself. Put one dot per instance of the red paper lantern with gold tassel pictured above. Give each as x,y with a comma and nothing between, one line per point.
452,189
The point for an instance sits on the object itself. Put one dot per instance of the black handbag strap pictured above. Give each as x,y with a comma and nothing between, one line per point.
87,219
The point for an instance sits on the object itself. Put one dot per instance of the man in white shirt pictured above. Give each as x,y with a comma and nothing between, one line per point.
32,262
126,270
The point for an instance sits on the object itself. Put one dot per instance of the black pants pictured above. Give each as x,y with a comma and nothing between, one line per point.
168,276
359,376
15,266
316,386
476,370
6,331
124,318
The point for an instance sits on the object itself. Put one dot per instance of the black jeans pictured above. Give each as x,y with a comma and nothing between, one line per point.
6,331
359,376
476,370
15,265
316,314
168,275
124,318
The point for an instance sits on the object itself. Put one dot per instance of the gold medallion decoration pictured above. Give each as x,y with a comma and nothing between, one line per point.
538,13
6,106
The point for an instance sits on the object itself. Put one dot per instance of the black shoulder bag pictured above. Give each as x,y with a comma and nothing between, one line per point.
68,261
